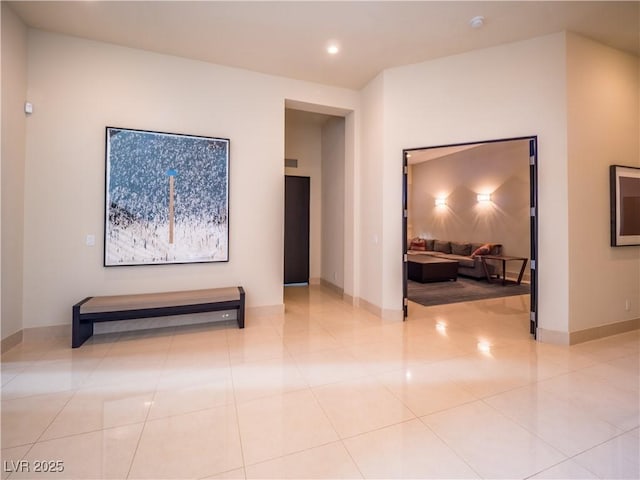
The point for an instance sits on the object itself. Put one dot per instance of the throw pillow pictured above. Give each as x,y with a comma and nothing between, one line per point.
441,246
463,249
430,246
475,246
483,250
418,244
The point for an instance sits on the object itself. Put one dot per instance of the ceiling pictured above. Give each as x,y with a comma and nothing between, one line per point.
289,38
424,155
473,151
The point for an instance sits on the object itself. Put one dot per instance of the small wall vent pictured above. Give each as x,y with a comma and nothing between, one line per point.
291,163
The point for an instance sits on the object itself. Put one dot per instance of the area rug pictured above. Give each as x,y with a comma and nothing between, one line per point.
463,290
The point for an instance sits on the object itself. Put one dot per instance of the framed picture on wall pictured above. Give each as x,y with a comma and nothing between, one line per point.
167,198
625,205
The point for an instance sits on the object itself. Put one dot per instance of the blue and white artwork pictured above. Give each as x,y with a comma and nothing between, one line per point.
167,198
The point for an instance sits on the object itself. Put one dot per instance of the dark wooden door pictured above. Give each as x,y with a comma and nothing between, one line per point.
296,229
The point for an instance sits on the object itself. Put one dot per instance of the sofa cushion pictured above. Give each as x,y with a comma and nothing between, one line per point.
458,248
418,244
441,246
496,249
430,242
463,260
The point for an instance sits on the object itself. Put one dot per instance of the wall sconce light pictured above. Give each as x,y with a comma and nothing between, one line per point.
441,201
484,346
484,197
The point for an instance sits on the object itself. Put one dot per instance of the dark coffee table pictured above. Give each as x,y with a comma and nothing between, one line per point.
425,268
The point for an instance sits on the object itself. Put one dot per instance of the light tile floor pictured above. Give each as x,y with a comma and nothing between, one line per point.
327,390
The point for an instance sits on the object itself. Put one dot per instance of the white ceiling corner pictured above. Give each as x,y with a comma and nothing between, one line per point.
288,38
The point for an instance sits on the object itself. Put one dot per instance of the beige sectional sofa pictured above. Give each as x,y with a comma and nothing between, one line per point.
467,254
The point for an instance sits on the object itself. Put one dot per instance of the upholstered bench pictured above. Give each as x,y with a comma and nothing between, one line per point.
126,307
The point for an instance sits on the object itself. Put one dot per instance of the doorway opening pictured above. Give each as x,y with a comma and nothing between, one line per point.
314,218
461,197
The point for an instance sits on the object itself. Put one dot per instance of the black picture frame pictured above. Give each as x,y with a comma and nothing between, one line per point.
625,205
166,198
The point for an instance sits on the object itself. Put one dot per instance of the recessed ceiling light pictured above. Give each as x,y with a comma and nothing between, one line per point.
477,22
332,49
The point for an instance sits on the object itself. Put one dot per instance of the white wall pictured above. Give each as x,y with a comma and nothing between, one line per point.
303,142
371,200
352,210
333,201
500,168
78,87
509,91
603,126
14,94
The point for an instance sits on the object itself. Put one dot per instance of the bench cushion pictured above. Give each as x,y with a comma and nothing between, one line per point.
159,300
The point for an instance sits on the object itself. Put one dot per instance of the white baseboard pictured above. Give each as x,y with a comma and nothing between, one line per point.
11,341
385,314
393,315
264,311
370,307
602,331
64,331
331,286
44,333
350,299
587,334
553,336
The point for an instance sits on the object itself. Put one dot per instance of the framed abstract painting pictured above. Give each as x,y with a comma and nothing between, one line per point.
167,198
625,205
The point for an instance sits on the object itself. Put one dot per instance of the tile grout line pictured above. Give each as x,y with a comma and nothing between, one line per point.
146,418
450,447
572,457
524,427
340,439
235,406
74,390
32,445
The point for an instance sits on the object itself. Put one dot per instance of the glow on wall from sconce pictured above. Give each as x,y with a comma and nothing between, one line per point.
441,201
484,197
484,346
441,327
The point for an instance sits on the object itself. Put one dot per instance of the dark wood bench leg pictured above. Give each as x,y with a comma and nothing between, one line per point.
241,309
81,332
